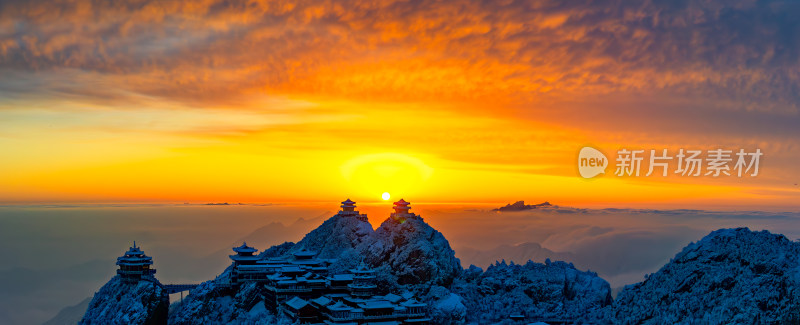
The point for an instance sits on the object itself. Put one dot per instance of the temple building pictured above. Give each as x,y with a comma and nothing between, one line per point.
135,264
299,285
349,210
293,282
250,267
244,257
401,211
401,207
360,305
300,310
363,283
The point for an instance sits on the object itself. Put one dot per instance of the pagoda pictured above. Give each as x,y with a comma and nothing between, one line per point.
244,255
401,211
135,264
363,283
349,210
243,259
401,207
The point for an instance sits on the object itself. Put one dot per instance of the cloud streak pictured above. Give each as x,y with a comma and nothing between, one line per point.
417,50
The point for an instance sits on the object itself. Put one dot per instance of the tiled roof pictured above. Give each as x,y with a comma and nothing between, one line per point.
296,303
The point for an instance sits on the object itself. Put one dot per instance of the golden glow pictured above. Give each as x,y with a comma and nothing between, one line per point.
343,149
396,172
386,196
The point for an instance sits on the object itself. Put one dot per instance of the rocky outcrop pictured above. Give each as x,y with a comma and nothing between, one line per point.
124,302
412,251
211,303
335,236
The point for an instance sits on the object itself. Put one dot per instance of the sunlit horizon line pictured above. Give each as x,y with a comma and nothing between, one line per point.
335,205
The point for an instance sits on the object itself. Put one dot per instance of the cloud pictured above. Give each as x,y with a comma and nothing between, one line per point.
418,50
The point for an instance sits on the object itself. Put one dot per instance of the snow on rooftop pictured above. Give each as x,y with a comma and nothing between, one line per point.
376,304
296,303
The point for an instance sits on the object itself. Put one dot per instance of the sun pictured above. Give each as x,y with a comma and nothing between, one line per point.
385,196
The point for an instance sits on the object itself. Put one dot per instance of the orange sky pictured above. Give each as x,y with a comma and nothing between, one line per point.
462,101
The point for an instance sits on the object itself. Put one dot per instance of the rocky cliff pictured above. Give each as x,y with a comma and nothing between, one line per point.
335,236
412,252
211,303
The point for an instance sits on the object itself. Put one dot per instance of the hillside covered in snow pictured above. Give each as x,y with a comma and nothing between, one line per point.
534,291
732,276
210,303
124,302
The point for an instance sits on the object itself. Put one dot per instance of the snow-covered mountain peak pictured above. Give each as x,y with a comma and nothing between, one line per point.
729,276
413,251
335,236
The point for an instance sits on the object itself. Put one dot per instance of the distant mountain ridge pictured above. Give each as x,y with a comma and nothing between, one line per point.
519,253
70,314
521,206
